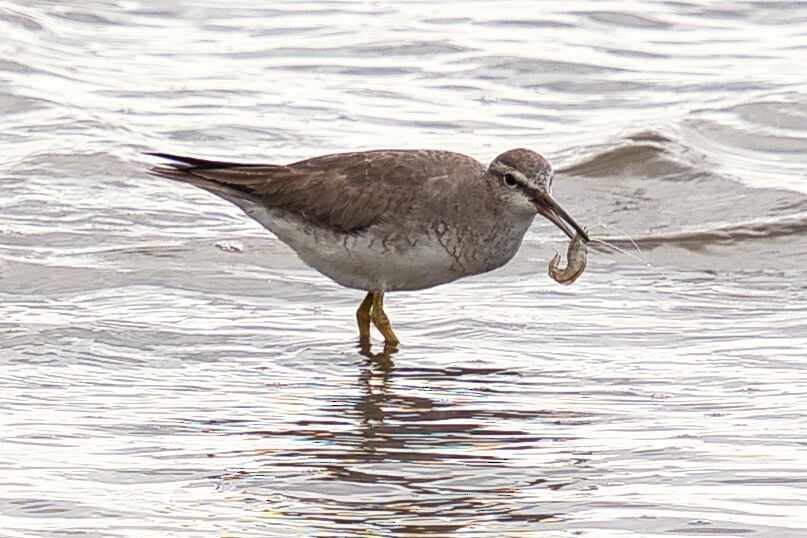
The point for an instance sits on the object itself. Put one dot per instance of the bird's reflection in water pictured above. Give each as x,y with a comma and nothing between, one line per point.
413,453
374,379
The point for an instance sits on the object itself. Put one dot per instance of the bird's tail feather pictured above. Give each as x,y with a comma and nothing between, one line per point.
238,196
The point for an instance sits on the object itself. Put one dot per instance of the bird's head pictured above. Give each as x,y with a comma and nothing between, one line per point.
524,181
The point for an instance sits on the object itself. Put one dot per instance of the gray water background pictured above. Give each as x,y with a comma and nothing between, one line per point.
169,368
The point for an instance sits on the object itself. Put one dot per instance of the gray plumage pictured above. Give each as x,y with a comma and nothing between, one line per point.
387,219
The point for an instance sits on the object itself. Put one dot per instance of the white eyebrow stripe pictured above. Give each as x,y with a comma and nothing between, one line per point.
521,178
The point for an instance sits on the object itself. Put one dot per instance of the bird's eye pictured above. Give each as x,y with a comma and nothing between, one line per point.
510,180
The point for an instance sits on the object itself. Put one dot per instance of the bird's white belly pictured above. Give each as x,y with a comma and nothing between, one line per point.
360,263
363,261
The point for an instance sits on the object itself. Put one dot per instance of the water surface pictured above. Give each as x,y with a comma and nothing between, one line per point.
169,368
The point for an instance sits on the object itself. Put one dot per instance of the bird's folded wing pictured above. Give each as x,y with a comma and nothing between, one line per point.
347,192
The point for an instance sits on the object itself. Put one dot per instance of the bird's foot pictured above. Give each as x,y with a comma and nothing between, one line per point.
371,309
363,317
381,321
382,358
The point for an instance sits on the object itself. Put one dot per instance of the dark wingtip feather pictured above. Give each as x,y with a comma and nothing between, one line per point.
190,161
168,156
194,162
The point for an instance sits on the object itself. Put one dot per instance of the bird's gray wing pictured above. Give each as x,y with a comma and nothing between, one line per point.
347,192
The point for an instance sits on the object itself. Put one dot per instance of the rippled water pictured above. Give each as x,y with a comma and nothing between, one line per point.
169,368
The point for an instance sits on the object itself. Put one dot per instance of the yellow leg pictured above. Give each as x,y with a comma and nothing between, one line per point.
381,321
363,317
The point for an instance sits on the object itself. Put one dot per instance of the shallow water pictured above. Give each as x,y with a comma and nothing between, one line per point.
169,368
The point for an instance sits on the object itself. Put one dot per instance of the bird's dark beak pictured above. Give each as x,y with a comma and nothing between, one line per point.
552,211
